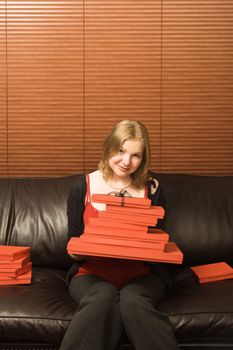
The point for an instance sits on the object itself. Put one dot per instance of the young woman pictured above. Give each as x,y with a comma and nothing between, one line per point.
117,294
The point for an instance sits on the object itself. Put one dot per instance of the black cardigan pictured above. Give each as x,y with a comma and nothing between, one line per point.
76,203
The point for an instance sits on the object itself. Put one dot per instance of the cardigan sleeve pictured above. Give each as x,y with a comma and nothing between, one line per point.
75,207
156,194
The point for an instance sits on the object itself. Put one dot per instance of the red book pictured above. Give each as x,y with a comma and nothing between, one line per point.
155,230
158,234
122,201
133,219
154,211
109,223
113,241
22,279
16,263
213,272
216,278
171,253
12,253
14,272
108,231
126,234
145,238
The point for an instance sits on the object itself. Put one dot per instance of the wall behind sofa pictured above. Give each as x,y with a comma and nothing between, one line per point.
70,69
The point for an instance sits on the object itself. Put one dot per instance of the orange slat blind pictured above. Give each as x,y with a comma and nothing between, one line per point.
70,69
122,70
197,61
45,90
3,92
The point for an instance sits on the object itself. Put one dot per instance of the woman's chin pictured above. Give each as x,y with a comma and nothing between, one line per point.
122,174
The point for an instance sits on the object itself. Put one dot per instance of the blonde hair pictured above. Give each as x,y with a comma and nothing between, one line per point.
121,132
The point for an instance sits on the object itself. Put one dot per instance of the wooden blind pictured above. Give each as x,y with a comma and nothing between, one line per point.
122,70
45,90
69,70
197,90
3,92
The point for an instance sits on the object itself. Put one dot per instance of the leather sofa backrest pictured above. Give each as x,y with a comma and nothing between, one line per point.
33,213
199,217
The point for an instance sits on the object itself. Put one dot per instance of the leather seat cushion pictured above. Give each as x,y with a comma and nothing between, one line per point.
199,311
39,312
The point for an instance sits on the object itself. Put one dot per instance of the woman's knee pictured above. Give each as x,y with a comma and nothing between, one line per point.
102,296
104,293
129,300
134,297
101,302
91,287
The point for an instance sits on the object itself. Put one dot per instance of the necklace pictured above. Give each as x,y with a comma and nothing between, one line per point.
119,188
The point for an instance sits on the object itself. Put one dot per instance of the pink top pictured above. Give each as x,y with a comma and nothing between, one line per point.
116,271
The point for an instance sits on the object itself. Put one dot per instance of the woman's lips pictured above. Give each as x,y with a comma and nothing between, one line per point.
123,169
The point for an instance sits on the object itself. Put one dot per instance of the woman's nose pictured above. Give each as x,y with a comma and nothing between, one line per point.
126,159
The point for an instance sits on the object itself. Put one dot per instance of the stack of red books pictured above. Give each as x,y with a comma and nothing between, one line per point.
122,231
15,265
213,272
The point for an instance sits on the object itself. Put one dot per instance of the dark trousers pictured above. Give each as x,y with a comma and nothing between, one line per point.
103,311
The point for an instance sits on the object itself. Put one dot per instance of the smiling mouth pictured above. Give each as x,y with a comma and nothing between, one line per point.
123,169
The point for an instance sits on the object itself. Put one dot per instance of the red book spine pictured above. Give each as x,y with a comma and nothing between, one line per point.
146,238
126,234
14,272
15,281
157,212
16,263
137,220
216,278
119,242
122,201
13,252
111,231
22,279
109,223
171,253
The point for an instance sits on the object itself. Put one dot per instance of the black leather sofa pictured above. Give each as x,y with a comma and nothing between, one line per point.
199,219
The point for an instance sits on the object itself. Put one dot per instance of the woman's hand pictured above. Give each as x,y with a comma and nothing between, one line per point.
79,257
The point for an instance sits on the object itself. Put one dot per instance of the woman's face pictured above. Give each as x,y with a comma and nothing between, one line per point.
128,159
